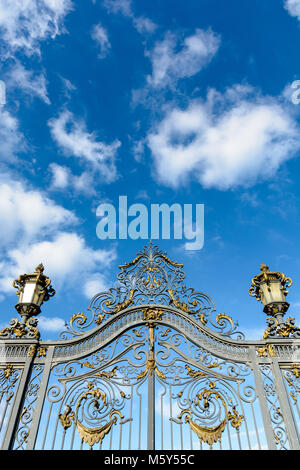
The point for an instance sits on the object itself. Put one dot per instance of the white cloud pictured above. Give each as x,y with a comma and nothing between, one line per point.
97,283
141,23
31,83
60,176
173,59
99,34
293,7
68,260
38,230
75,140
24,23
228,140
26,214
11,138
53,324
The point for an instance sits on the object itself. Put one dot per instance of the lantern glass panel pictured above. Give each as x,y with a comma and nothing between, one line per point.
272,292
28,293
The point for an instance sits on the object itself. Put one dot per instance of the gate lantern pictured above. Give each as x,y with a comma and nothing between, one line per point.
271,289
33,290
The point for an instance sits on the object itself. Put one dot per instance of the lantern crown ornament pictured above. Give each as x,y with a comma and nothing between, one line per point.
32,290
270,288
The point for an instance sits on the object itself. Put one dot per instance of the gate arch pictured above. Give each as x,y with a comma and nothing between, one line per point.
150,365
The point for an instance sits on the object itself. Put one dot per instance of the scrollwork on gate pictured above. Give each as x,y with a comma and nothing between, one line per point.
152,278
211,403
91,405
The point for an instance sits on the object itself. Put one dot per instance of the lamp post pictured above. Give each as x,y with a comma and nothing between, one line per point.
33,290
271,289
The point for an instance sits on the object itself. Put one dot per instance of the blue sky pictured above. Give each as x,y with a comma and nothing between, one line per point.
164,102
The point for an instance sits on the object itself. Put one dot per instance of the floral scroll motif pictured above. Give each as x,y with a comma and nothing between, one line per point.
92,413
152,279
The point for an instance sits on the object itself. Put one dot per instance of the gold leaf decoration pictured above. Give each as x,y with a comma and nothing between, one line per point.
210,435
94,435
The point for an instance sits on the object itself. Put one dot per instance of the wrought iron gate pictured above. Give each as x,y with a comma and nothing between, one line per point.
151,365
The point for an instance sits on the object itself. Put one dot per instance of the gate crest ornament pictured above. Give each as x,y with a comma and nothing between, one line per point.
152,278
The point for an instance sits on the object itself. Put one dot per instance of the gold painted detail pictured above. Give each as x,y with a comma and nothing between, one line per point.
121,305
137,333
19,330
94,435
202,318
9,377
152,314
99,319
295,371
151,281
150,368
66,418
266,351
89,435
107,374
213,365
165,333
161,255
87,364
79,317
32,350
212,434
134,261
8,370
194,373
207,434
222,316
41,351
181,305
235,418
284,330
103,374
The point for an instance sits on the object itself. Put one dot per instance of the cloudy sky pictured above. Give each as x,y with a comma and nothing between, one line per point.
165,101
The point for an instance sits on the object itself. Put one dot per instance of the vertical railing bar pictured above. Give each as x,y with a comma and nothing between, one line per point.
140,422
130,422
171,416
239,439
54,433
181,436
63,440
47,424
40,399
262,400
256,430
246,426
120,439
285,406
73,436
229,436
161,421
4,413
110,438
19,399
191,438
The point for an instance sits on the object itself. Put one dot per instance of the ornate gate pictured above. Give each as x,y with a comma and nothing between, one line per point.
151,365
